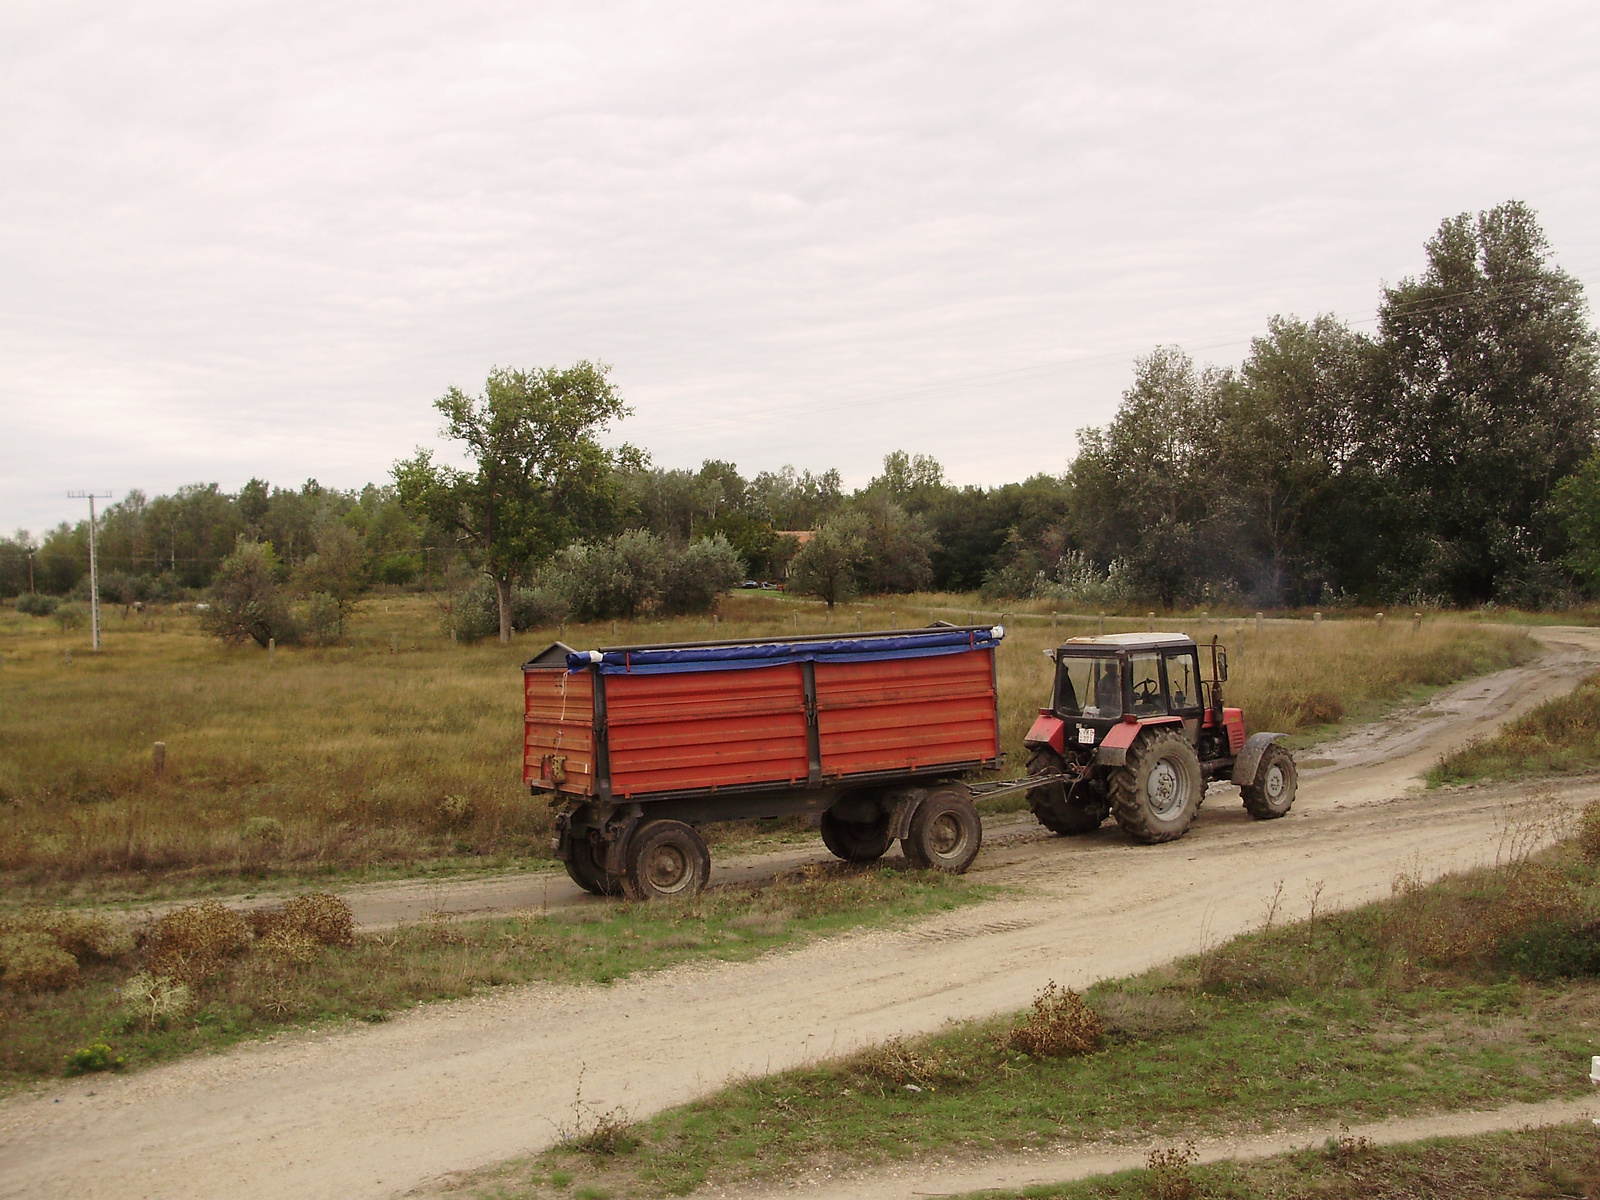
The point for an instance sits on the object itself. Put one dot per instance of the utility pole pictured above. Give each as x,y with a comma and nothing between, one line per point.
94,566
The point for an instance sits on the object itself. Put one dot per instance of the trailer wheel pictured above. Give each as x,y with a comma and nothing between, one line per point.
1081,814
587,873
1271,795
856,841
945,831
666,860
1156,795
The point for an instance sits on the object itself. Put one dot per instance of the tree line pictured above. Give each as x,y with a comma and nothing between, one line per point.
1446,457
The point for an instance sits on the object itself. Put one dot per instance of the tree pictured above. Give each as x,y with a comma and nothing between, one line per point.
246,600
1487,402
336,573
539,480
896,547
1577,503
826,565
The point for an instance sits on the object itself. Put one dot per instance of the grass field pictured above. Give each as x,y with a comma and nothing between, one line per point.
399,751
1472,992
261,987
1560,735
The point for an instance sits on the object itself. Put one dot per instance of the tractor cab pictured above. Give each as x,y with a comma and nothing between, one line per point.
1139,675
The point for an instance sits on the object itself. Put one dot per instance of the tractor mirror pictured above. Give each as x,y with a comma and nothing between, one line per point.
1222,666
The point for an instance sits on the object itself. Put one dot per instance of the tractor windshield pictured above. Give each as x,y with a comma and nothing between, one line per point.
1089,687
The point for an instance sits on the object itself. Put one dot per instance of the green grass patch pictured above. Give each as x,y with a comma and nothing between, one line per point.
1558,1160
257,994
1453,995
1559,735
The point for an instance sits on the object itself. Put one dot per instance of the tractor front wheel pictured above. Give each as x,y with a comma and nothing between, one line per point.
1271,794
1156,794
1064,812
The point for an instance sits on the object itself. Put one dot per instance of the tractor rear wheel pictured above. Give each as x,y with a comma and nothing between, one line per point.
667,860
856,841
1156,794
1068,813
1271,794
945,831
588,873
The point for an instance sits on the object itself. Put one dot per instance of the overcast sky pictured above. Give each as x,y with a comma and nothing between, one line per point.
258,239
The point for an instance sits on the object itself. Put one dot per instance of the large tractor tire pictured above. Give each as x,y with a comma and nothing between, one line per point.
1156,795
588,873
856,841
945,831
1271,793
1068,813
667,860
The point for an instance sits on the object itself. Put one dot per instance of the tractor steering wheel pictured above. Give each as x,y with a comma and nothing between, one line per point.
1147,691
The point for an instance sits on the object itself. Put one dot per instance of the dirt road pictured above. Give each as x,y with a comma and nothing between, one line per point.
377,1111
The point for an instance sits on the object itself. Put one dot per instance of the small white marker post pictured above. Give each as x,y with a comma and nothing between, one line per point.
1594,1078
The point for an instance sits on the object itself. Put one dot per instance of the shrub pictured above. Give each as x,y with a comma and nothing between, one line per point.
32,962
324,619
323,918
1060,1023
292,947
697,576
154,999
81,935
37,604
71,616
1169,1172
247,602
192,943
899,1062
96,1056
262,829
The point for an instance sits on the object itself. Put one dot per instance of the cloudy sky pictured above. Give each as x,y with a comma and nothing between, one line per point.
258,239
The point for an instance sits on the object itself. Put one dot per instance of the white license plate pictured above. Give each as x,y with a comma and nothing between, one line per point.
1085,735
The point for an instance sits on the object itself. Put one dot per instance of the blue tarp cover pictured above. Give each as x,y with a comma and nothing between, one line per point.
770,654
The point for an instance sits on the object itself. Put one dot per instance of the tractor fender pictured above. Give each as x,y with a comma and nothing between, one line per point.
1244,767
1047,730
1113,751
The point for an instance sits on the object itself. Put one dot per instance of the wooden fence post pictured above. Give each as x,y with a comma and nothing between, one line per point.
158,759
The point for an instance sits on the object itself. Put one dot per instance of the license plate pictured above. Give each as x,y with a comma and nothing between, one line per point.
1085,735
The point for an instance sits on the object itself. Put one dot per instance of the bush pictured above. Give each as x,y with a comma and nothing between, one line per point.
94,1057
247,603
81,935
323,917
262,830
323,619
32,962
71,616
191,944
1060,1023
37,604
701,573
475,613
154,999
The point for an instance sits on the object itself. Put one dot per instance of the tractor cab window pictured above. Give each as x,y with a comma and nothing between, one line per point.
1145,672
1089,687
1183,681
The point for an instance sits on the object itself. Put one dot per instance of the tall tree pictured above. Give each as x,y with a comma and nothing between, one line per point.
1489,401
539,479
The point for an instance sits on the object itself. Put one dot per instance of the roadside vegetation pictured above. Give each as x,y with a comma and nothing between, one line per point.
85,993
398,749
1560,735
1478,990
1528,1164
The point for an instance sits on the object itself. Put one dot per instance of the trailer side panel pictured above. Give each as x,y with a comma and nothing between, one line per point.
905,715
706,729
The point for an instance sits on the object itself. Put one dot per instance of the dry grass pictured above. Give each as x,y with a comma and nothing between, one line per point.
1059,1023
355,759
1559,735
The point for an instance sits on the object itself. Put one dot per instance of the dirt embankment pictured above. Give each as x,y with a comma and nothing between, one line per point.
373,1112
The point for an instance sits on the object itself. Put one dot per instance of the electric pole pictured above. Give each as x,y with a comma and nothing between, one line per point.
94,567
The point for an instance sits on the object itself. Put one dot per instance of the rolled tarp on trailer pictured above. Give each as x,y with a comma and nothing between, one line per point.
733,656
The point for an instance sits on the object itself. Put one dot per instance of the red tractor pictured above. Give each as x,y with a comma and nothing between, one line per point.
1134,731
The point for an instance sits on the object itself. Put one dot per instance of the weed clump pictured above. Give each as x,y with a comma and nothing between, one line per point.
1060,1023
32,962
193,943
903,1064
154,999
97,1056
1169,1172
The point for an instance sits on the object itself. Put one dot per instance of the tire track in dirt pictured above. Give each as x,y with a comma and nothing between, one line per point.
378,1111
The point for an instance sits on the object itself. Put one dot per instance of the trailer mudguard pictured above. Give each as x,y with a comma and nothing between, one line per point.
1244,767
1113,751
1047,730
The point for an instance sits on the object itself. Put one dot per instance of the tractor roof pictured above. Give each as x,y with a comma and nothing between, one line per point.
1129,641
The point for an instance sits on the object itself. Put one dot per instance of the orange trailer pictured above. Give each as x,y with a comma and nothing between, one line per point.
637,745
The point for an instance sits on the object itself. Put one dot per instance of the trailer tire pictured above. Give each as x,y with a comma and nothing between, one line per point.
1156,795
667,860
1058,809
946,831
587,872
856,841
1271,794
